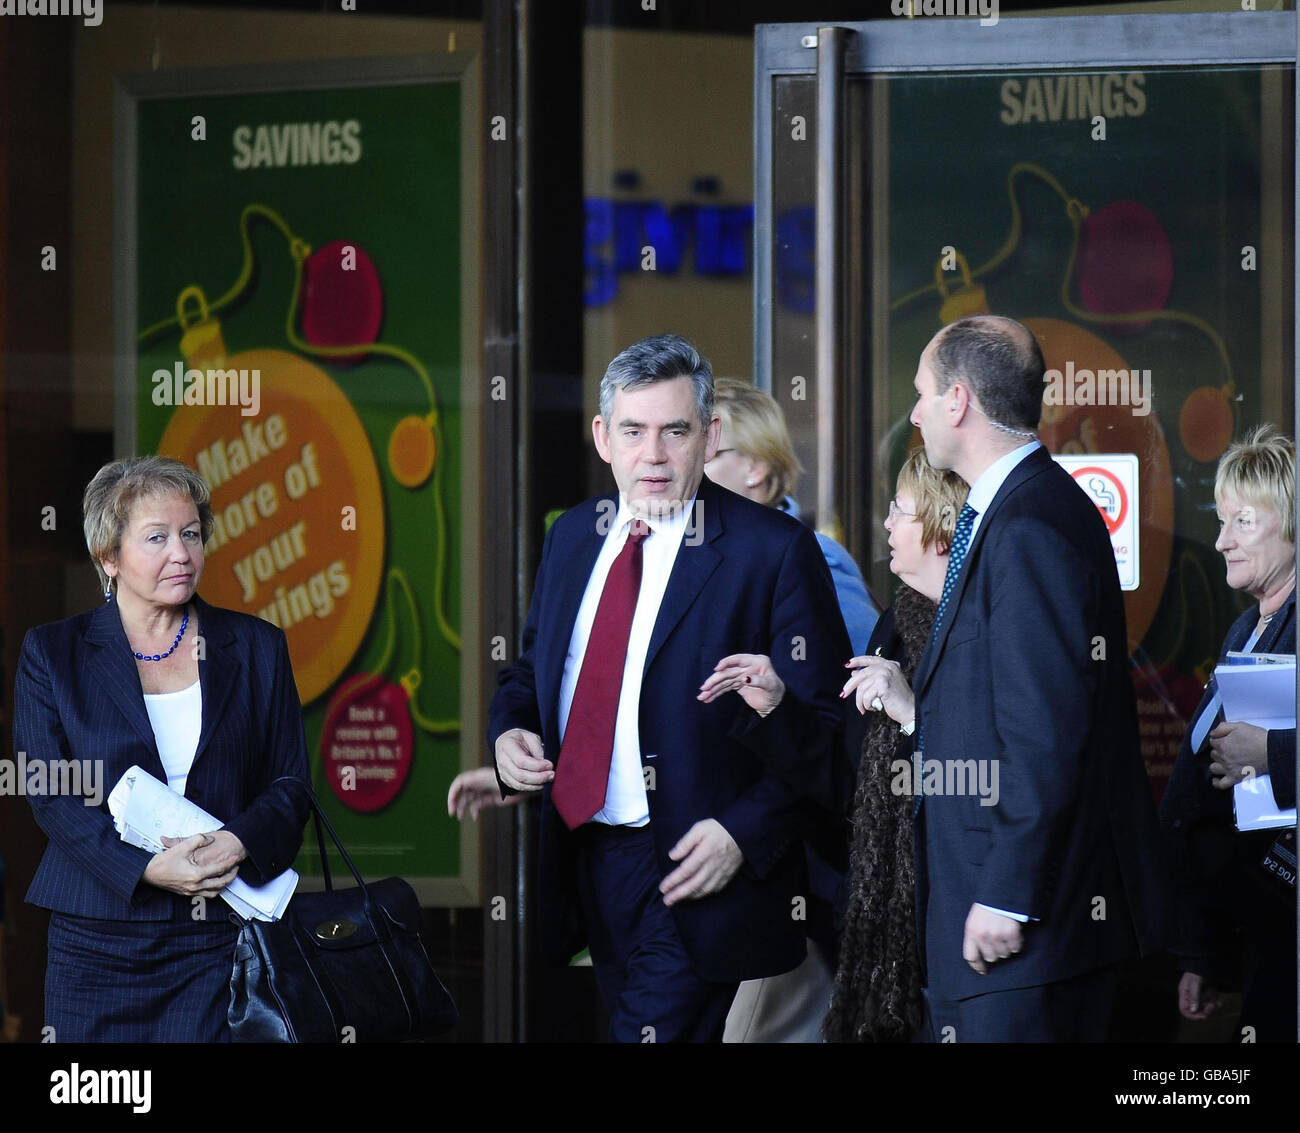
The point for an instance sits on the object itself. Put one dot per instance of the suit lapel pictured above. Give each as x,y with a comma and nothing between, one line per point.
1234,641
1031,466
1276,627
573,565
696,560
112,666
218,669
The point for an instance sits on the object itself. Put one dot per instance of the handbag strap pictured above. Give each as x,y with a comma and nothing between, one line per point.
320,845
318,817
318,814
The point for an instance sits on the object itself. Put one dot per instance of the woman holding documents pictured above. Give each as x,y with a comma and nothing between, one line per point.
200,698
1236,924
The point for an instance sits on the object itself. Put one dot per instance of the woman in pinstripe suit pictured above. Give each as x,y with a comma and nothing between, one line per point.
202,698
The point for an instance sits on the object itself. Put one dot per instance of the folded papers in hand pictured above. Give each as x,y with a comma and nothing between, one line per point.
1259,689
146,810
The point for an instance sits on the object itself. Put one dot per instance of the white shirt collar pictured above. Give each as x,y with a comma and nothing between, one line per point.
992,478
673,522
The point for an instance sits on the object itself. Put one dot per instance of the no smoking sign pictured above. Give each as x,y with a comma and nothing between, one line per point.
1111,482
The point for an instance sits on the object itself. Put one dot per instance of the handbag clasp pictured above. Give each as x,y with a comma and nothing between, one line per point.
335,930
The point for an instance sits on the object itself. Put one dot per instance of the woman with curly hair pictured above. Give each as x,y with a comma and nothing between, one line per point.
877,990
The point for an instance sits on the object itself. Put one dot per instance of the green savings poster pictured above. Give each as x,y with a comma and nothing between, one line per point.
298,337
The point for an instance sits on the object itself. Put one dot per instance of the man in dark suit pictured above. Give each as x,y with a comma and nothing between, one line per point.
672,815
1031,888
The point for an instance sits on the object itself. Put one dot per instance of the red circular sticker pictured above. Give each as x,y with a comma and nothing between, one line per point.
367,742
1105,490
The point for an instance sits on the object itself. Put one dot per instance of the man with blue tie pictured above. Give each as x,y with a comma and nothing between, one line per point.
1028,897
672,814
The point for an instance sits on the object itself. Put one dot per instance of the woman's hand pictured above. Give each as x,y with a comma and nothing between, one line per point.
224,851
199,866
1197,997
473,790
751,675
1239,751
879,677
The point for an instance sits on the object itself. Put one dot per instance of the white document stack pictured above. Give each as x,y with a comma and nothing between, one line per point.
1259,689
146,810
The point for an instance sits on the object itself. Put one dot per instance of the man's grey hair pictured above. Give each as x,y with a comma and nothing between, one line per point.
659,358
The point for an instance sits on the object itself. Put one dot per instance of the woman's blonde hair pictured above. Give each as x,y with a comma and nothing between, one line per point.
1260,470
116,487
756,427
938,498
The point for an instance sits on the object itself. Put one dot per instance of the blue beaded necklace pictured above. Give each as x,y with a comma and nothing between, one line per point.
185,621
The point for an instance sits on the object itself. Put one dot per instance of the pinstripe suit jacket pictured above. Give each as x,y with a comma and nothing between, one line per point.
77,696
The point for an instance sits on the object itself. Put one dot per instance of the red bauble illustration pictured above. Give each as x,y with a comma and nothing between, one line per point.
342,300
1125,263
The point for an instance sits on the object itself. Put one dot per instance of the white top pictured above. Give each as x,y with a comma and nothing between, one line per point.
625,798
177,719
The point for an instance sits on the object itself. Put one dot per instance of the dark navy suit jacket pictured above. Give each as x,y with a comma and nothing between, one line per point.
77,696
1030,668
754,582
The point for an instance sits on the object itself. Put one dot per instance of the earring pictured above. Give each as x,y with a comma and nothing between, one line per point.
108,590
749,483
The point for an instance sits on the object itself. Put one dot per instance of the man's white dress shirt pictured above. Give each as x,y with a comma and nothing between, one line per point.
625,797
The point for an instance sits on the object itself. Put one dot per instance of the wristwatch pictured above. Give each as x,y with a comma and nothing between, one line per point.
908,728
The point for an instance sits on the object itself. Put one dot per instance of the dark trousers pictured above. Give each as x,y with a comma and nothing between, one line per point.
1076,1010
646,979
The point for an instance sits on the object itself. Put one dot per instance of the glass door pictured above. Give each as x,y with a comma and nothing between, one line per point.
1123,185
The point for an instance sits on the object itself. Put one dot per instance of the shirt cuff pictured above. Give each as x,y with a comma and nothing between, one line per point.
1003,913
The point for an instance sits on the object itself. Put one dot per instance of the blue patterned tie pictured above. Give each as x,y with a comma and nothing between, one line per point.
956,557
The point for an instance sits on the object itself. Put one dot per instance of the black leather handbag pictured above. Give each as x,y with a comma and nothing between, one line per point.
345,965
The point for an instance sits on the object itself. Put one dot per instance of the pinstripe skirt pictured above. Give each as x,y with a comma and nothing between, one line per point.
138,981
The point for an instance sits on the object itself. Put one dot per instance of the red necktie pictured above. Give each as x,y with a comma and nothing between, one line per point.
582,773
